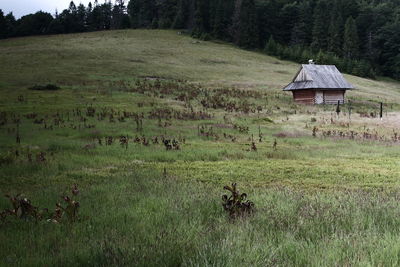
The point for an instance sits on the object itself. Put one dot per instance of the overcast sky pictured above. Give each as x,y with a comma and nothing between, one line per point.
23,7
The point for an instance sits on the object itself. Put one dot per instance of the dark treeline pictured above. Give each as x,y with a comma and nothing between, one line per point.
361,37
94,17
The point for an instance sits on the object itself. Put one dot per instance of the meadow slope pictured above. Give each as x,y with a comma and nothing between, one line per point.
325,187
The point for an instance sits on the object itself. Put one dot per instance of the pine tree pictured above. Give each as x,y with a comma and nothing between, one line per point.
118,14
71,20
321,57
301,32
11,25
349,8
81,18
222,19
89,18
106,10
219,27
288,16
181,15
367,28
236,20
335,31
3,25
335,38
166,10
201,18
247,30
389,40
143,13
96,17
306,55
267,19
351,42
134,7
271,47
72,7
320,28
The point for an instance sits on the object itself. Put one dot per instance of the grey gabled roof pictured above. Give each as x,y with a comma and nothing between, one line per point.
312,76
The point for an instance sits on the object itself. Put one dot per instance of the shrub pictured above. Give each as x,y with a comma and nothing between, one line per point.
205,37
236,204
6,158
22,208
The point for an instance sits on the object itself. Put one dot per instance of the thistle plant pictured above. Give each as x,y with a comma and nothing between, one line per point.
236,204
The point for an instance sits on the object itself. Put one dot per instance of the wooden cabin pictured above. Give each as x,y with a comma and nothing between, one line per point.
318,84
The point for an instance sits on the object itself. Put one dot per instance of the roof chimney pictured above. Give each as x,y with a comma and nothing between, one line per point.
311,62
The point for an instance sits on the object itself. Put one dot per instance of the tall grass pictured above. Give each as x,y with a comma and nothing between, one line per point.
319,200
144,219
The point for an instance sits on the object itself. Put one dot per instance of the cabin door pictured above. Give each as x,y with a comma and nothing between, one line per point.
319,97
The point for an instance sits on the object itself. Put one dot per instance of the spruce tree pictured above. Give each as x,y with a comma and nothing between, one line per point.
302,31
134,8
350,8
247,31
96,17
11,25
267,18
271,47
166,11
219,27
321,59
89,18
106,11
236,20
201,18
222,19
320,28
367,28
143,13
81,18
335,31
288,16
389,58
181,15
3,25
351,42
126,22
306,55
118,14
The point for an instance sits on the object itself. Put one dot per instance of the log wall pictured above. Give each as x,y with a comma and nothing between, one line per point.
332,97
304,96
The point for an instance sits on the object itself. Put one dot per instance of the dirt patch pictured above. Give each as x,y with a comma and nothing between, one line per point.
282,72
213,61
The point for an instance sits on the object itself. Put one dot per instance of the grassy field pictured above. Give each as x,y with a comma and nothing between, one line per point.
325,187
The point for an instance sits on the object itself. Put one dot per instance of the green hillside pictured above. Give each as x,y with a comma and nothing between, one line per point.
325,186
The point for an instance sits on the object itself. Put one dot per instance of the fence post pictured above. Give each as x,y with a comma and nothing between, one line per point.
338,108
